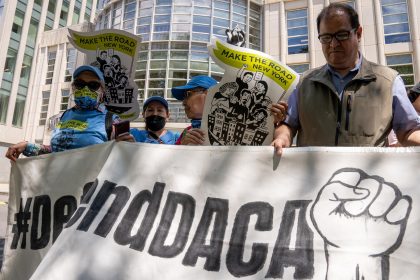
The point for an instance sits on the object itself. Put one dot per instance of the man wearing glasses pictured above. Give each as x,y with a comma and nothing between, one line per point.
350,101
193,97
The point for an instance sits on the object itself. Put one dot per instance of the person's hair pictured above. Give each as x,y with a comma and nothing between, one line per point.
247,73
104,52
247,91
117,57
266,98
261,111
226,86
330,9
264,83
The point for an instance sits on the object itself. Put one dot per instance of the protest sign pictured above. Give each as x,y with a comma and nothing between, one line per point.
237,109
115,53
181,212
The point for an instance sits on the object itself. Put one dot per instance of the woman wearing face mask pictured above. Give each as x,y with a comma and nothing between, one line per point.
156,114
86,123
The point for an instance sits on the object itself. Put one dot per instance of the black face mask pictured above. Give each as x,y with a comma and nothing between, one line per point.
155,123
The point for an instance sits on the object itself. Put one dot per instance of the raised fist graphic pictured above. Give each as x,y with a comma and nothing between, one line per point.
362,220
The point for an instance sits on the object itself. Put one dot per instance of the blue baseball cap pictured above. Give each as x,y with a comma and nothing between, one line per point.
88,68
157,99
198,81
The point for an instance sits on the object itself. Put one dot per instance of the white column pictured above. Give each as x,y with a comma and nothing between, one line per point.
311,30
415,38
379,30
283,33
358,8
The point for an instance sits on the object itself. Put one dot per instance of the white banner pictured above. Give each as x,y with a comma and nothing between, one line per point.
181,212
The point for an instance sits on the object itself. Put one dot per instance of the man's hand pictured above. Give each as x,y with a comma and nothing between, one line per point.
361,219
282,138
194,136
14,151
279,111
126,138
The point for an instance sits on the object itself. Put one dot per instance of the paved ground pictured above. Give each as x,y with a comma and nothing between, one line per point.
3,222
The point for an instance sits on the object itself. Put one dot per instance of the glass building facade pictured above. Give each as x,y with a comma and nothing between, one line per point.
174,37
25,28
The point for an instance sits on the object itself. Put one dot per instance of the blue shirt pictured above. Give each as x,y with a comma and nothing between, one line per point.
404,119
143,136
80,128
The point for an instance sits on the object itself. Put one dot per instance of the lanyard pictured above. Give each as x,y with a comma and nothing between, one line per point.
154,136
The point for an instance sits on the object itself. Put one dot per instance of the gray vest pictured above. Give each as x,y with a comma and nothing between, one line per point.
362,118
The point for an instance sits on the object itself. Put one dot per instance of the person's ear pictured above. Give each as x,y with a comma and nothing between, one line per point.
359,32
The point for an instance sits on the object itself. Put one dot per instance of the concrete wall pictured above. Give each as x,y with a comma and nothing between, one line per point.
4,166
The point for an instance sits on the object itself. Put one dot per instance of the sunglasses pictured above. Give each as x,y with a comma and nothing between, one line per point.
92,85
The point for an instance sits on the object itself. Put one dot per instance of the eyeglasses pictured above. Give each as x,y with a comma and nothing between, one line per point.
339,36
92,85
190,93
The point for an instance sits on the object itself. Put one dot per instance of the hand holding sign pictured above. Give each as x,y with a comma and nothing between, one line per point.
361,214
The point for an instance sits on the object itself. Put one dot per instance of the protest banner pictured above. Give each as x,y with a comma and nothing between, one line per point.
237,109
182,212
115,53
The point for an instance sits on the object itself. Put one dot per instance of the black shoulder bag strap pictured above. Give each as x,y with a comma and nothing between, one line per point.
154,136
108,124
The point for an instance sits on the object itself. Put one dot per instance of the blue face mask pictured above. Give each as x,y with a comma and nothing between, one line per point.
85,98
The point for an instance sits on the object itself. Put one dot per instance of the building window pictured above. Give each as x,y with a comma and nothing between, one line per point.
32,32
25,72
299,68
1,9
116,16
129,14
4,103
9,66
18,24
255,27
70,64
396,27
88,9
404,65
76,15
18,113
44,107
297,31
49,21
64,13
65,97
350,3
50,67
